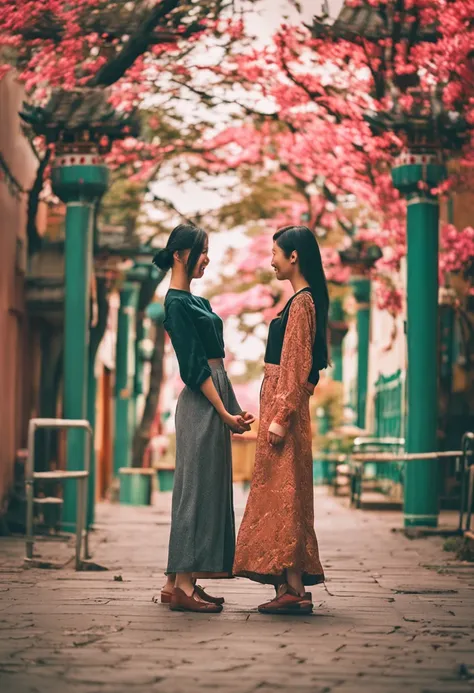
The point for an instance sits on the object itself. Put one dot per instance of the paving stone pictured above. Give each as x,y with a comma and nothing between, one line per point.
398,614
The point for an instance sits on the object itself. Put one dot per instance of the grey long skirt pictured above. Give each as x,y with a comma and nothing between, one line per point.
202,539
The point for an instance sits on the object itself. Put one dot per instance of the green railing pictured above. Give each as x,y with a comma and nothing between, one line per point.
389,406
389,421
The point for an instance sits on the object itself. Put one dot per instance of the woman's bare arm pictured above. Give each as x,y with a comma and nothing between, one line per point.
236,423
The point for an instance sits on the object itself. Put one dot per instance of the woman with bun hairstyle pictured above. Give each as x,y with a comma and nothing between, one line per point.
277,543
202,538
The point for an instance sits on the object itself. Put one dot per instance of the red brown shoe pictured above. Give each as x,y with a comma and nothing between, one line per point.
288,603
165,596
307,595
181,602
207,597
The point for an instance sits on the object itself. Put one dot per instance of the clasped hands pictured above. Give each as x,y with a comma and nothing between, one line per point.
239,423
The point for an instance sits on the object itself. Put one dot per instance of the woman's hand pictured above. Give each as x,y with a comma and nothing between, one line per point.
235,422
275,439
276,433
247,418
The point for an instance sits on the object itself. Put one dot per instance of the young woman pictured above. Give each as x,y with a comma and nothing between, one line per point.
202,539
277,543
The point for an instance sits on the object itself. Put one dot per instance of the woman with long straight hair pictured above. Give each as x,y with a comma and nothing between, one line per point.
202,538
277,543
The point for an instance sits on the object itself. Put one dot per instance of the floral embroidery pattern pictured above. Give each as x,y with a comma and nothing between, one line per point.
277,530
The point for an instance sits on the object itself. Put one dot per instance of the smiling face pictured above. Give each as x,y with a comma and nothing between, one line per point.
284,266
202,261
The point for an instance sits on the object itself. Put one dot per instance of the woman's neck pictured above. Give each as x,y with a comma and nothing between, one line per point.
180,280
298,282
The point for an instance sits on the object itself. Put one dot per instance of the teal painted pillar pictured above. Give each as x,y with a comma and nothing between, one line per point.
338,330
361,288
96,334
125,375
415,175
321,470
336,355
91,402
78,181
141,333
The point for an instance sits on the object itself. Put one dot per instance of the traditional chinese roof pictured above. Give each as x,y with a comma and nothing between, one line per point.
361,253
68,113
436,128
373,23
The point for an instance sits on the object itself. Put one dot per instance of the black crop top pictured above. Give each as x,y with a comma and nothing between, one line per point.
196,334
276,335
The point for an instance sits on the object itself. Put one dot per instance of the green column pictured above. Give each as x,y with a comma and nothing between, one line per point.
336,354
321,468
139,367
415,176
361,288
91,402
78,185
124,376
338,330
96,335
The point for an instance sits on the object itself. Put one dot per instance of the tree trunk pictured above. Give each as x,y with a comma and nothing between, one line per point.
143,432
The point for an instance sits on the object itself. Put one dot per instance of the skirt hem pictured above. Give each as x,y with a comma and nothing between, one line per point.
279,578
204,574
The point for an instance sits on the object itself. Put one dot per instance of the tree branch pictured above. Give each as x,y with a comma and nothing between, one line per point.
113,70
316,96
168,203
211,101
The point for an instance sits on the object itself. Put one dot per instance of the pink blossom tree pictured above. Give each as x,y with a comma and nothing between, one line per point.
304,102
134,51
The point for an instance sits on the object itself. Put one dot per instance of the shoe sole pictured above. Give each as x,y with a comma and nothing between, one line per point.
289,611
195,611
166,599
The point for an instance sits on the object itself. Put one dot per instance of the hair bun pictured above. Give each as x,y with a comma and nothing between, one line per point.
163,259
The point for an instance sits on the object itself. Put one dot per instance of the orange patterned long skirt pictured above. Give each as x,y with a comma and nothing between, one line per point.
277,530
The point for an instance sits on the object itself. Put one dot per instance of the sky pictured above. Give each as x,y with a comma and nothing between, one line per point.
192,197
273,13
270,14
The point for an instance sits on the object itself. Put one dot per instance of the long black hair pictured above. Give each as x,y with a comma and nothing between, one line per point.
183,237
303,241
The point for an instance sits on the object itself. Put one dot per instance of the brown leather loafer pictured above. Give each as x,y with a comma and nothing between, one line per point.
181,602
207,597
165,597
288,603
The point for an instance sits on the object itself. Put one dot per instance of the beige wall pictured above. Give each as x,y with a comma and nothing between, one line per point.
22,163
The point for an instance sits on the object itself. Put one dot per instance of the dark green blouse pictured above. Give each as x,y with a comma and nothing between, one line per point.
196,334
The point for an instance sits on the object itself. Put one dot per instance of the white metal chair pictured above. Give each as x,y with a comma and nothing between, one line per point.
80,476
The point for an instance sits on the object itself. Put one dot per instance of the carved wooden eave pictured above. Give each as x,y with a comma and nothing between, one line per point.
113,255
83,110
445,130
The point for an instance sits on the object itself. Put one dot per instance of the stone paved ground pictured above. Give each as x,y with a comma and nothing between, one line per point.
399,616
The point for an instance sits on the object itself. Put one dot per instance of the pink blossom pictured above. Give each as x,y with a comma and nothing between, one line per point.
253,300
